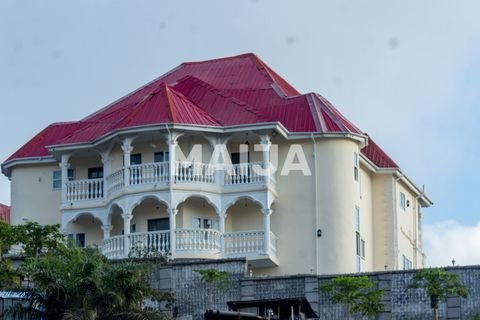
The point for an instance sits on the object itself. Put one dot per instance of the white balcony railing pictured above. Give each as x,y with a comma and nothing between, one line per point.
158,173
113,248
115,181
79,190
148,173
244,173
194,172
195,241
245,242
198,239
147,242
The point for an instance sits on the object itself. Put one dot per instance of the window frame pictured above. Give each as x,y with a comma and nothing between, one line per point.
403,201
70,177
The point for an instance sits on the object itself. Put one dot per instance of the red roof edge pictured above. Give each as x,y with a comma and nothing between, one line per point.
5,213
379,157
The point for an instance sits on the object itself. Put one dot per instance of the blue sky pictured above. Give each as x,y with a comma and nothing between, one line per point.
406,72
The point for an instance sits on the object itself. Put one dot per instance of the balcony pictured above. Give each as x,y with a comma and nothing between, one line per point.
196,243
157,176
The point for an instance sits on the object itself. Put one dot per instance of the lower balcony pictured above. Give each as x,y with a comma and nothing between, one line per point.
196,244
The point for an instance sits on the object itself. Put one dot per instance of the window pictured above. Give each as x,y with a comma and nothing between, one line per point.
200,223
403,202
135,158
158,224
95,173
355,166
57,178
359,242
407,264
78,239
161,156
238,157
357,218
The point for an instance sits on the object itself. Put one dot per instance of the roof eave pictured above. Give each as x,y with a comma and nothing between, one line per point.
425,200
9,164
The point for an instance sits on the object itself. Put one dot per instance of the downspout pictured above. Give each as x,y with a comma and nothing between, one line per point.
315,188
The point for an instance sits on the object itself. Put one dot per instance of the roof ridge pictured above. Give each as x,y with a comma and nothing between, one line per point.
200,111
247,107
242,55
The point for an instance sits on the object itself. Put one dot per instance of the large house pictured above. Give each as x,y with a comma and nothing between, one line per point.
217,159
4,213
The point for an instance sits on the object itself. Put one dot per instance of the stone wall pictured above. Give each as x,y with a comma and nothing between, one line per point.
193,296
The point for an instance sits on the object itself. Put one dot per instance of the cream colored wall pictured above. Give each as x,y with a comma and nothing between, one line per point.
366,219
244,216
194,208
147,211
383,223
90,226
338,195
293,218
407,227
32,195
81,164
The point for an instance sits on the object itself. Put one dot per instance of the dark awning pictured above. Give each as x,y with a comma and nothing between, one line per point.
276,303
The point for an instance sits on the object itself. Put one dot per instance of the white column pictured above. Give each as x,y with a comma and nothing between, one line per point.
221,226
106,171
173,226
266,228
64,165
126,232
127,149
172,144
265,142
106,231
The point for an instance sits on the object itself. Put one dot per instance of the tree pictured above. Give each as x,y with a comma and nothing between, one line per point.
79,283
215,279
439,285
8,237
37,238
357,294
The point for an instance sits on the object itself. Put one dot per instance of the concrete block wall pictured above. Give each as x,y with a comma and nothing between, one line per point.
193,296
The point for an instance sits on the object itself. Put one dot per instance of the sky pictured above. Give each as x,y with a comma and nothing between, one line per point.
406,72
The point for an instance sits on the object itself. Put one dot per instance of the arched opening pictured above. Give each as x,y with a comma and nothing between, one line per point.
116,220
149,216
197,213
85,230
244,215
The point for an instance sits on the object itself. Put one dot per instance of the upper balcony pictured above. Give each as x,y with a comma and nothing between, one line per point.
158,176
182,163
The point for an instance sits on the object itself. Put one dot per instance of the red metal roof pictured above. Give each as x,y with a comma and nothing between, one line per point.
221,92
5,213
373,152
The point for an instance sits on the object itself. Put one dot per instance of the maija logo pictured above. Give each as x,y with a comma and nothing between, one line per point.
268,164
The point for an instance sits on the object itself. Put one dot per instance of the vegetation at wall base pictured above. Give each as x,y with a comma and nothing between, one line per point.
78,283
439,286
357,293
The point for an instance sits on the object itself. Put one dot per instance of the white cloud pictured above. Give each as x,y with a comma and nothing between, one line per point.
447,240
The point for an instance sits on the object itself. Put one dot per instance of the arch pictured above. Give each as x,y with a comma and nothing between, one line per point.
149,196
243,197
204,197
235,135
80,214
